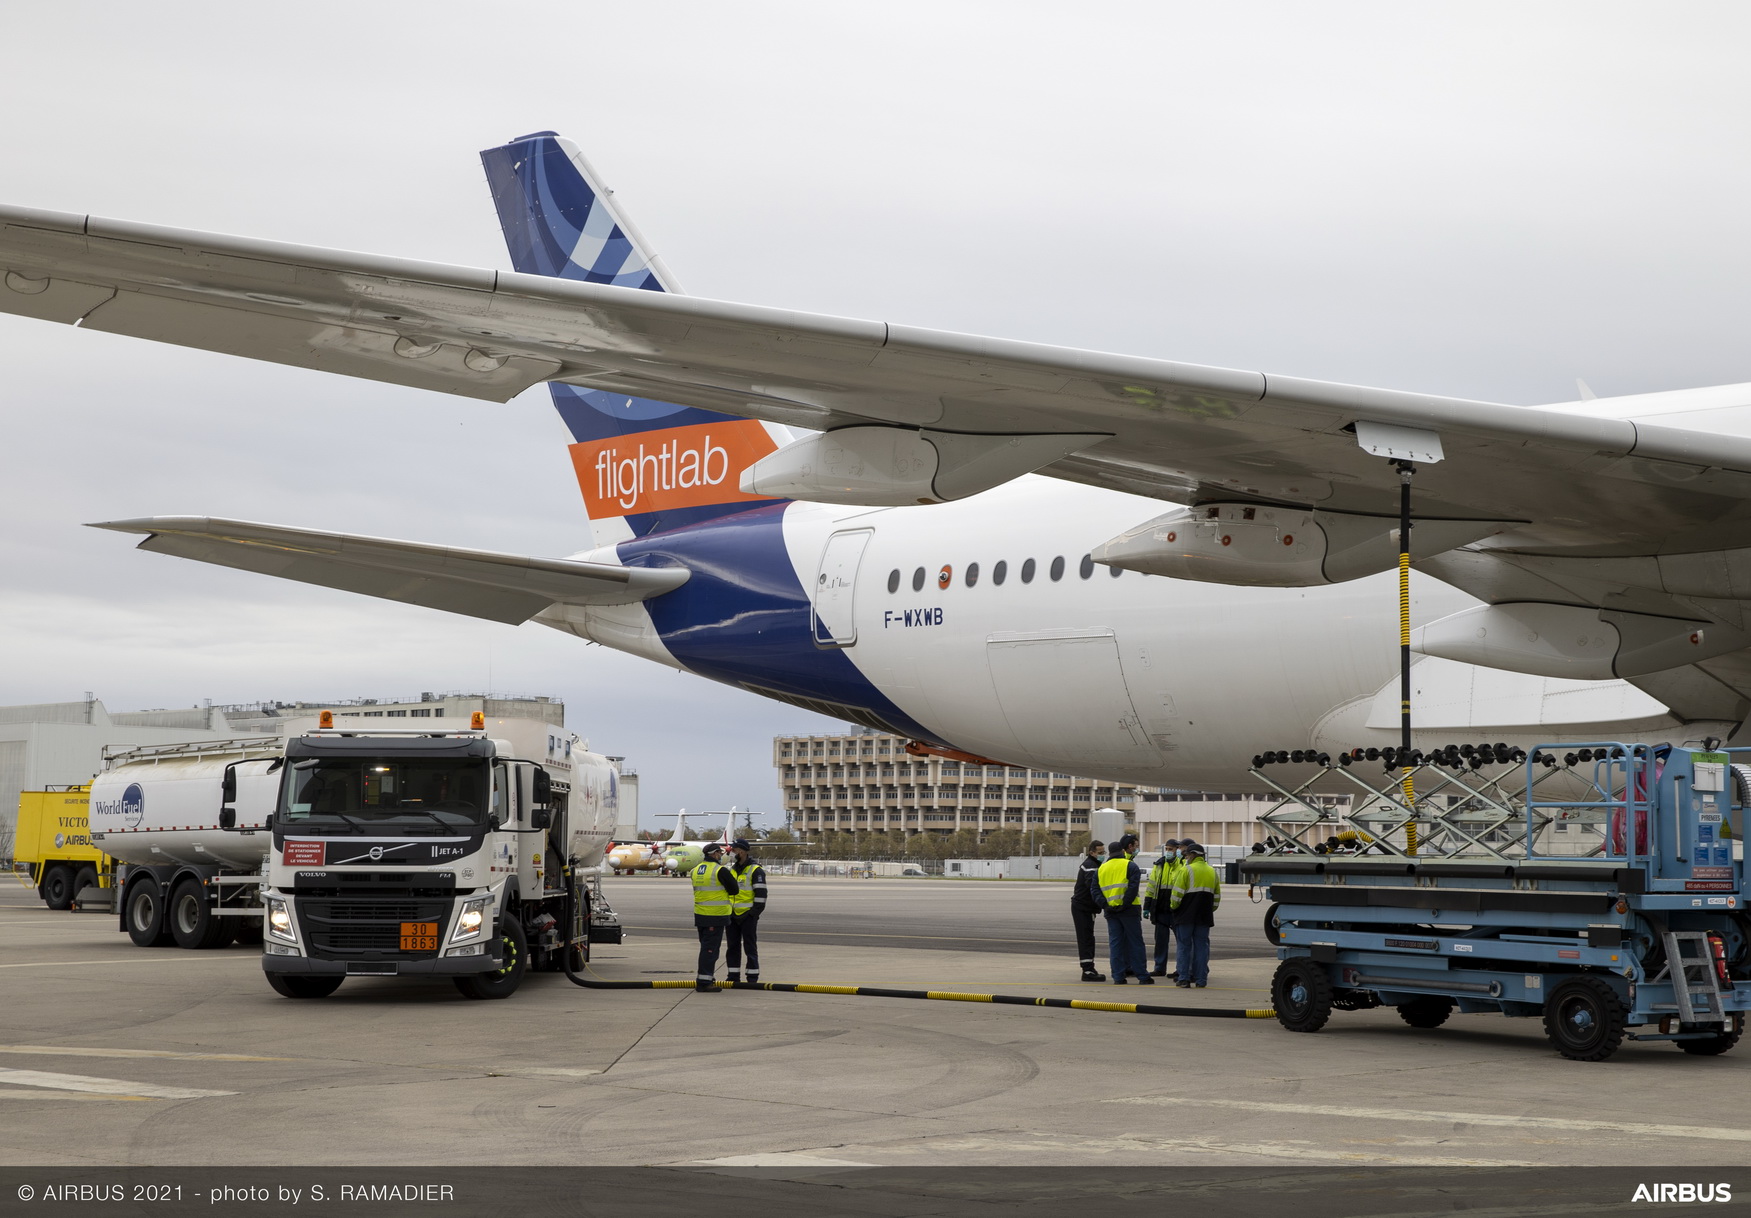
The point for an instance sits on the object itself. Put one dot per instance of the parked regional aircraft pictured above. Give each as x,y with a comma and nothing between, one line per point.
974,542
674,854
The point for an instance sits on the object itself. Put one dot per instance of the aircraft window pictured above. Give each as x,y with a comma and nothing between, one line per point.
972,574
918,580
893,581
999,573
1027,571
1087,567
1057,569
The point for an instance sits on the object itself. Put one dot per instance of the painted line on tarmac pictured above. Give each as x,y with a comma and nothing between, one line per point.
776,1158
103,1086
155,958
1714,1133
67,1097
73,1051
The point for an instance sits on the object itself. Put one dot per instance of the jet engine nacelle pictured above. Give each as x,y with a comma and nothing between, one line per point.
897,466
1257,545
1575,641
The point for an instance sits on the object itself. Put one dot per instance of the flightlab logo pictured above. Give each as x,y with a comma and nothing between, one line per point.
1663,1193
653,471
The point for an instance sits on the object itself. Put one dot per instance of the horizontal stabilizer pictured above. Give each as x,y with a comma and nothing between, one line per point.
479,583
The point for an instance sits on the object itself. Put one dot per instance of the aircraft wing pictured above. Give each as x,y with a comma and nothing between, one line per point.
1180,432
1586,507
499,587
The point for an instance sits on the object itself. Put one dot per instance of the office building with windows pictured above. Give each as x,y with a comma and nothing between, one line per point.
865,780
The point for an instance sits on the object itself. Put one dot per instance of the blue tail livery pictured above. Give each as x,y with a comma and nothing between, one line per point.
643,466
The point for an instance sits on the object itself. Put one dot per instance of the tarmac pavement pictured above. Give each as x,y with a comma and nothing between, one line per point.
119,1055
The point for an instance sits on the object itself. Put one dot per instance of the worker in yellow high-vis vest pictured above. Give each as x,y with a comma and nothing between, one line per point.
1121,884
1197,891
714,893
1157,904
745,910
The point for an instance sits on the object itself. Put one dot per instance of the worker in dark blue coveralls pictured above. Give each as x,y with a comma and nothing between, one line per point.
1085,902
1121,888
746,906
714,891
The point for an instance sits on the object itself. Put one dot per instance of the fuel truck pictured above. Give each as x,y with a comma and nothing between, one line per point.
367,852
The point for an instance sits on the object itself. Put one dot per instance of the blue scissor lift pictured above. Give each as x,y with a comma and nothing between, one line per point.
1596,885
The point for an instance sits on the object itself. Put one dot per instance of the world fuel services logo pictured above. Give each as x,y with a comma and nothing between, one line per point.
676,467
130,809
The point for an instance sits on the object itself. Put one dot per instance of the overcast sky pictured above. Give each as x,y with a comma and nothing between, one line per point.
1479,200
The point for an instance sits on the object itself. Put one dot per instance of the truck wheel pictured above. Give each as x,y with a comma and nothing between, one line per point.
57,888
1713,1045
1301,993
289,986
87,878
1273,928
143,909
1425,1012
503,982
1584,1019
193,923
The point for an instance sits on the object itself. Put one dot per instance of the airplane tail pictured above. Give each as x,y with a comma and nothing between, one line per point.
643,466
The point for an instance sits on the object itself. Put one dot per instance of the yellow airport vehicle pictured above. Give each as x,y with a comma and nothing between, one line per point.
54,839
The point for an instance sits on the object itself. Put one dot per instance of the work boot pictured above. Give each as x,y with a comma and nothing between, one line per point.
706,987
1118,981
1158,972
1184,985
733,977
1199,984
753,978
1089,974
1145,981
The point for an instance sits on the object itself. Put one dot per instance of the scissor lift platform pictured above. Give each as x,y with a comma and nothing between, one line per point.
1597,886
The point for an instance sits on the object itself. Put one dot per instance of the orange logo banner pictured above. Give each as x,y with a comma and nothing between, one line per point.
654,471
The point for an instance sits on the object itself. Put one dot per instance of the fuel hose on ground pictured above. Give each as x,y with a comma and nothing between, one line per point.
571,954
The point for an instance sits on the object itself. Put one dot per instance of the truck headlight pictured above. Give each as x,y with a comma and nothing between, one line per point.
278,923
472,919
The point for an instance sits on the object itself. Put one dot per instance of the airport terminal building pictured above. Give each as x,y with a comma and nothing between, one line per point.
866,780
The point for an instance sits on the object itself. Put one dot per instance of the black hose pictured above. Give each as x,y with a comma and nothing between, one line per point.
864,991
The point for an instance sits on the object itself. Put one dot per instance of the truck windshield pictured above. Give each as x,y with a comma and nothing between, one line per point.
384,795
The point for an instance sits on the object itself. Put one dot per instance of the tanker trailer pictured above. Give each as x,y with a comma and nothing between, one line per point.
188,827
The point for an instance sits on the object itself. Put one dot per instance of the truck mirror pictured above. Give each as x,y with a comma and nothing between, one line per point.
227,818
228,785
542,789
540,818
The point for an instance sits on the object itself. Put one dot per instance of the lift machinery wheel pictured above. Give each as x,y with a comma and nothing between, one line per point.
1585,1019
1301,994
1712,1045
1429,1012
1273,928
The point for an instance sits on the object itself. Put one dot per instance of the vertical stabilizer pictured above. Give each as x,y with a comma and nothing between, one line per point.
643,465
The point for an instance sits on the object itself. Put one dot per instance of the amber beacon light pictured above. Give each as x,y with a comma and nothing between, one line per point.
478,721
